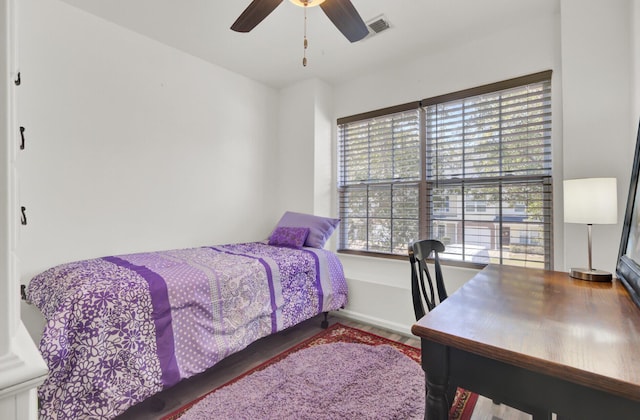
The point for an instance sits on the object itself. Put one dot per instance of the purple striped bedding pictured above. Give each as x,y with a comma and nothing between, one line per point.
120,329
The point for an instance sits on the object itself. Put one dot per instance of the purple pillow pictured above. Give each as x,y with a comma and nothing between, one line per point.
291,237
320,228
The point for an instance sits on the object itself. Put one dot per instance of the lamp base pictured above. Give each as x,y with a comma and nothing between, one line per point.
590,275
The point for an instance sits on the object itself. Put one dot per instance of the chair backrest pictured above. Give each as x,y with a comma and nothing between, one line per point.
418,253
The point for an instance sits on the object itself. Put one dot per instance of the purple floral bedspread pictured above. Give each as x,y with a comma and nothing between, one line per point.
120,329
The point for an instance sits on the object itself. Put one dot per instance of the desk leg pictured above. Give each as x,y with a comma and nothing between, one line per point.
435,363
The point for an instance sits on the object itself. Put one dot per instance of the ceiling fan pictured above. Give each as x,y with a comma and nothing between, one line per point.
341,12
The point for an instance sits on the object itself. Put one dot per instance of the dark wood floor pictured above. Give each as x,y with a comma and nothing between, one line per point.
262,350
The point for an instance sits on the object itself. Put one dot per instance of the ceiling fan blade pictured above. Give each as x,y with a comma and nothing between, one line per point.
254,14
346,18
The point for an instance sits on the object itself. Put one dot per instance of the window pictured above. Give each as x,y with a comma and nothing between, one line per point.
441,204
472,169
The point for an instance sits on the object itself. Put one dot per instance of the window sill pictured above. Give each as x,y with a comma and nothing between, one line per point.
444,262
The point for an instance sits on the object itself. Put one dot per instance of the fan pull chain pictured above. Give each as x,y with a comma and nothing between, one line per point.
306,43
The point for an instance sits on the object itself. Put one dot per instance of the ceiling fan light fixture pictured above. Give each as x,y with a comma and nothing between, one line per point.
307,3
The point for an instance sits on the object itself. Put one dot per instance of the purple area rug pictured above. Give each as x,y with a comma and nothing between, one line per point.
327,381
461,409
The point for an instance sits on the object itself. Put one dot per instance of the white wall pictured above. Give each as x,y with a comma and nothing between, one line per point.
379,289
305,154
527,47
634,18
296,137
133,145
597,137
324,151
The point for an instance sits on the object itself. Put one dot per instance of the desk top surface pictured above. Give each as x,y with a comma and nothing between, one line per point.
585,332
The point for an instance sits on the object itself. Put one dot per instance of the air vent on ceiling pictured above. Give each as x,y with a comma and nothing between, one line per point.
376,25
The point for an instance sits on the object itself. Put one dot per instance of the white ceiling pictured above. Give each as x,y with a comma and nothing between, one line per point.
272,52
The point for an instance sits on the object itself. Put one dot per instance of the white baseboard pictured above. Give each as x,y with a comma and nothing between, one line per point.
377,322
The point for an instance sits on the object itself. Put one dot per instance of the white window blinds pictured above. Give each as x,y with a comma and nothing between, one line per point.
472,169
379,178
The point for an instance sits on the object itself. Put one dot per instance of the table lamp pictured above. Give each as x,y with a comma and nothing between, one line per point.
590,201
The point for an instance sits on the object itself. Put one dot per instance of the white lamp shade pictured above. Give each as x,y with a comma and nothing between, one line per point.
591,201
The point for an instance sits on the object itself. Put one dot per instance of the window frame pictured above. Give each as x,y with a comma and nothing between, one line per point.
424,220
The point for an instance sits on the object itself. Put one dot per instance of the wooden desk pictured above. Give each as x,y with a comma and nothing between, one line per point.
536,339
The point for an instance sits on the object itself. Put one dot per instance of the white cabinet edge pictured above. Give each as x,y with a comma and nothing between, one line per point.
22,368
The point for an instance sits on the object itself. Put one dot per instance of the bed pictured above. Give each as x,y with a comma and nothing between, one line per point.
122,328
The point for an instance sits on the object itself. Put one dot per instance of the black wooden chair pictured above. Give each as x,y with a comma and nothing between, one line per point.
419,252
